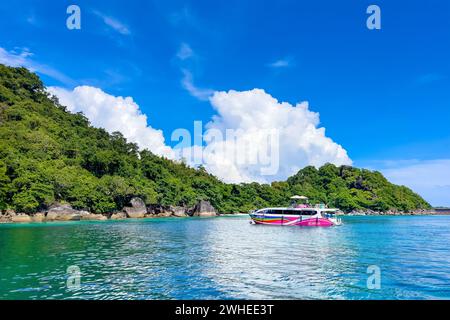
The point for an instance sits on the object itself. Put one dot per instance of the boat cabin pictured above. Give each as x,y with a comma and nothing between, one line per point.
289,211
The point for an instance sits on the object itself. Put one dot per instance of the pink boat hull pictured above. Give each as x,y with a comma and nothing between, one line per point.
292,221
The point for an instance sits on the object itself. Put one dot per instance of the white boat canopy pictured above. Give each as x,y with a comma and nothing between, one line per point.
299,197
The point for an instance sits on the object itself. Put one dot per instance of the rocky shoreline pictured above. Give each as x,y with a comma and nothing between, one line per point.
417,212
136,210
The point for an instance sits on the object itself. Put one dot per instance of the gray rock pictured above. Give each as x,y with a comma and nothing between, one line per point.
118,216
153,209
156,209
63,212
87,216
6,216
164,214
5,219
179,212
22,217
38,217
204,209
137,203
137,209
10,212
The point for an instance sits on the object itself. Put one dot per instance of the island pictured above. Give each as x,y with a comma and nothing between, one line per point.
55,166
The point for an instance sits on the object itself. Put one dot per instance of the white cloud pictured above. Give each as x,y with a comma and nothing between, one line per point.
429,178
23,58
113,23
114,114
252,113
188,84
15,59
282,63
185,52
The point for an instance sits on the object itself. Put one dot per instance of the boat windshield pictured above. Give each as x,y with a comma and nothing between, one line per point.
329,214
289,212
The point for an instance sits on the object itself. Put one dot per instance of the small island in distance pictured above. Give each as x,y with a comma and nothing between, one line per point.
55,166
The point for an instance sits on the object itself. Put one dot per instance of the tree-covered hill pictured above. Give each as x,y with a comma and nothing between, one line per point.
49,155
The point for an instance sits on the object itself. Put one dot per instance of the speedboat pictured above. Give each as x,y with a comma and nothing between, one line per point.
297,215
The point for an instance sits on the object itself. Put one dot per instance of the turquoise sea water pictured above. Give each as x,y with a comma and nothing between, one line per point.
227,258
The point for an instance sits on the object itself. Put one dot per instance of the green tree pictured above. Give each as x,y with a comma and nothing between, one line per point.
4,183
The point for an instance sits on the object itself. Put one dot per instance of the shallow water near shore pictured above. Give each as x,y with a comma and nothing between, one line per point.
227,258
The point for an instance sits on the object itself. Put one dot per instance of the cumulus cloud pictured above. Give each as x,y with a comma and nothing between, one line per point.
114,114
429,178
289,135
23,58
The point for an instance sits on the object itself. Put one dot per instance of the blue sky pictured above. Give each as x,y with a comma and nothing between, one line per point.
383,95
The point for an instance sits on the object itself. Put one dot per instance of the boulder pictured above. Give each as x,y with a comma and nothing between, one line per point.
87,216
21,217
5,219
204,209
179,211
166,211
154,209
10,212
164,214
137,203
118,216
63,212
137,209
38,217
422,212
393,213
6,216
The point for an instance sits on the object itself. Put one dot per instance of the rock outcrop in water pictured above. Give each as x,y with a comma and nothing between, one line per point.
204,209
57,212
166,211
63,212
137,209
391,212
21,218
118,216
